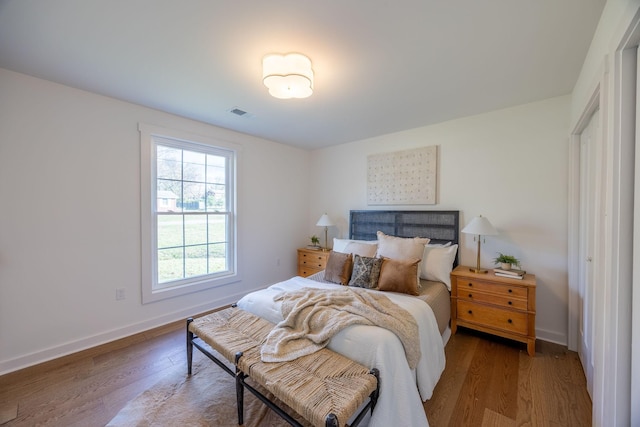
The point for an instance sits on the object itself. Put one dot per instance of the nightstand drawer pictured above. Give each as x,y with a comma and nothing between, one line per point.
312,261
504,301
465,285
306,271
493,317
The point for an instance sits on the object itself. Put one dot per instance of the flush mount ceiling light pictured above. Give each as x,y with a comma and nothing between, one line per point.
287,76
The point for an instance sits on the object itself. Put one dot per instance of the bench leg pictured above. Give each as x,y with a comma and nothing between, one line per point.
189,346
331,421
374,396
373,399
240,376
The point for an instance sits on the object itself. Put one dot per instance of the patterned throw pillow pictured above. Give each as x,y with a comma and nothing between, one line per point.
366,271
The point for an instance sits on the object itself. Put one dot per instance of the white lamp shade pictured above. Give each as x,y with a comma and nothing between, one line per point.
287,76
324,221
480,226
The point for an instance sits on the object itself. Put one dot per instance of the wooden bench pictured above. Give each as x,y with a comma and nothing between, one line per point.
324,388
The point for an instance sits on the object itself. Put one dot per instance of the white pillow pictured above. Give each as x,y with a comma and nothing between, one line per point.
439,245
340,245
437,263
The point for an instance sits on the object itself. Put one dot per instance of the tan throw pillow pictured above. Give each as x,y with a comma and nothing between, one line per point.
339,245
399,276
362,249
400,247
338,269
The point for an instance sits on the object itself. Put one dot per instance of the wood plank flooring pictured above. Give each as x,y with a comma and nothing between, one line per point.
487,382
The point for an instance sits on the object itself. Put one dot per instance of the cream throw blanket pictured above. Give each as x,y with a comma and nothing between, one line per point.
312,316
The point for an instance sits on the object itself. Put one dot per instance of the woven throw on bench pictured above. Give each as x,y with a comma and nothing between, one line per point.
312,316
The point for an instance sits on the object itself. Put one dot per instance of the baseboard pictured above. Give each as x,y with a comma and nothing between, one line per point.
551,336
52,353
69,348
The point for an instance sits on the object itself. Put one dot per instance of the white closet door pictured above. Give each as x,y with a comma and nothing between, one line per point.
588,218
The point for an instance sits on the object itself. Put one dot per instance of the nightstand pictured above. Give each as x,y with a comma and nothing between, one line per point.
311,261
496,305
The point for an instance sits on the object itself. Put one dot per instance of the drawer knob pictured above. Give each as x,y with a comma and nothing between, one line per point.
470,312
510,321
470,284
470,295
510,303
510,290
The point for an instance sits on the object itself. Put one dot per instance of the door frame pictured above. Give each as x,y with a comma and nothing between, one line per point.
591,107
614,368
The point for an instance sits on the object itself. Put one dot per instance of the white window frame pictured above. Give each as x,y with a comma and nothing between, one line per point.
150,137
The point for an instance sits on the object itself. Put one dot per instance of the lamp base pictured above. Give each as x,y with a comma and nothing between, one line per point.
478,270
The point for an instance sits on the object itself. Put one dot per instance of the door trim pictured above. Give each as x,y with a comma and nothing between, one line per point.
591,107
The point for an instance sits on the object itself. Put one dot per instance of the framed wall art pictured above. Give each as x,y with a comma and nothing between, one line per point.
403,177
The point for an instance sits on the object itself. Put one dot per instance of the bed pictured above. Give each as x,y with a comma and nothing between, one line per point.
403,389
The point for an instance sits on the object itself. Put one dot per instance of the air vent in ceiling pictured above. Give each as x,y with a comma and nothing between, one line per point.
240,112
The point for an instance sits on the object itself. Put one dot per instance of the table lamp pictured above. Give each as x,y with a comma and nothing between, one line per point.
480,226
325,222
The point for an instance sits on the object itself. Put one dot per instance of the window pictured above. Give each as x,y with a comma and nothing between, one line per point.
188,213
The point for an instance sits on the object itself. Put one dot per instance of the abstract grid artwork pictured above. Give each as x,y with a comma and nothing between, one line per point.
403,177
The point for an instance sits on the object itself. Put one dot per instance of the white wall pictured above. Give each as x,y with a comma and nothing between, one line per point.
614,22
508,165
70,219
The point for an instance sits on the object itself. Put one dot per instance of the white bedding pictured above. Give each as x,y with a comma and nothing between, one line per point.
400,401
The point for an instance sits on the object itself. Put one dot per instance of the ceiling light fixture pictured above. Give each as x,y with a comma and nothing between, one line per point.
287,76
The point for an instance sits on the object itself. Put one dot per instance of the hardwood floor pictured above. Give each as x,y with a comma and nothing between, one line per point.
487,382
493,382
90,387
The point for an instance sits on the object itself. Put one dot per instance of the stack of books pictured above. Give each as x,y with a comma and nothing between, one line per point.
512,274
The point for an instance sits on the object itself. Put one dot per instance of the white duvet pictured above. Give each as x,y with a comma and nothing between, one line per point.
400,401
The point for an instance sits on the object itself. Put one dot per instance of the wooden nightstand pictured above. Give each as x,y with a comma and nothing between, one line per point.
496,305
310,261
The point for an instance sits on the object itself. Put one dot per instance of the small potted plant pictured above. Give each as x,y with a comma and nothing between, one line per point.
506,261
315,241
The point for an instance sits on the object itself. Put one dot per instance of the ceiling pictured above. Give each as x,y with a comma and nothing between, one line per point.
380,66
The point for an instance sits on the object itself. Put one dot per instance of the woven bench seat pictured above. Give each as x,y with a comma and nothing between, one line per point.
325,388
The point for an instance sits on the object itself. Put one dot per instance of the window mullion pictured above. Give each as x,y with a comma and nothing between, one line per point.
184,219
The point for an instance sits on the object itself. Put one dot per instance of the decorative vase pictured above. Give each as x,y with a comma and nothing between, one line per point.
505,266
